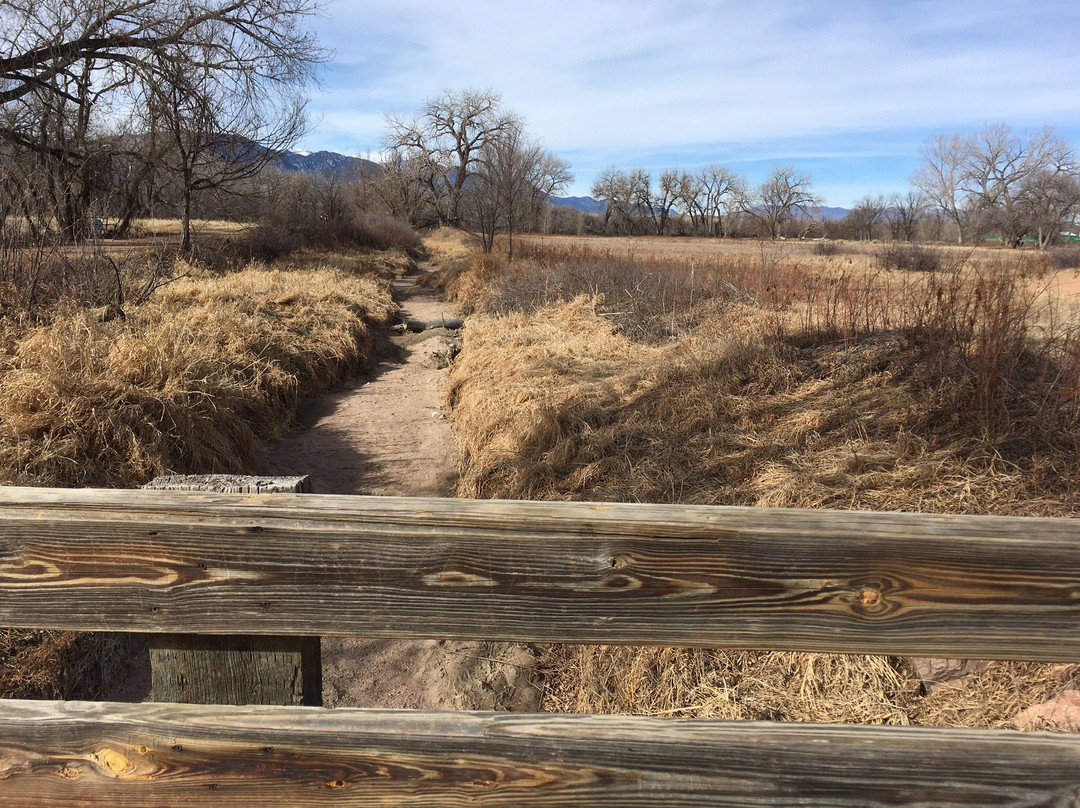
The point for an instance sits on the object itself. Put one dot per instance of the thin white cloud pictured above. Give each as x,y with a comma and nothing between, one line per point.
635,76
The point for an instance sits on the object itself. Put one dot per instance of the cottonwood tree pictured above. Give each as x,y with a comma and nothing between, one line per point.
1007,183
402,189
616,189
668,196
941,177
1003,170
721,191
60,160
446,139
781,197
72,57
866,214
1050,202
905,213
515,177
685,192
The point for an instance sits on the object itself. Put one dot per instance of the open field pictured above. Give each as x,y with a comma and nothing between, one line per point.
766,375
1059,274
751,373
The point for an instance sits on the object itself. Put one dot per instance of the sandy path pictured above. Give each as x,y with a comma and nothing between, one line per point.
385,434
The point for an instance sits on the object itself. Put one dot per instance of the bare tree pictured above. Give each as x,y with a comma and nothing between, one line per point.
867,213
941,177
1002,170
515,178
615,189
1050,202
446,139
644,206
721,190
685,192
904,214
783,195
402,189
221,126
201,60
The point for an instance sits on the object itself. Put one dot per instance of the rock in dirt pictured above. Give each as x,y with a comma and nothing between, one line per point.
418,326
439,352
1060,713
934,672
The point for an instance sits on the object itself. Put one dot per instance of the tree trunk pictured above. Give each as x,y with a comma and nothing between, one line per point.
185,223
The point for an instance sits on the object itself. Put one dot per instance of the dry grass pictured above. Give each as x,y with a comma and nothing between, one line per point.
171,227
955,396
61,664
190,381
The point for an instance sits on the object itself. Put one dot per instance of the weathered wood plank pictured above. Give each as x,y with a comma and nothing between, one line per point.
734,577
235,669
148,755
251,669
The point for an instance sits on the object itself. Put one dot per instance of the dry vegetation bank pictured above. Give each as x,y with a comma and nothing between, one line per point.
189,382
764,379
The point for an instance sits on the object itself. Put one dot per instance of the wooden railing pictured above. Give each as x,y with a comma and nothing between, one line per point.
305,566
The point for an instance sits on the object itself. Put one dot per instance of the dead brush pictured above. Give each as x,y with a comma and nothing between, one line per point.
732,685
189,382
646,297
949,392
983,338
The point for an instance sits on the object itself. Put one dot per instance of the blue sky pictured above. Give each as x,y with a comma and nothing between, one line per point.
845,91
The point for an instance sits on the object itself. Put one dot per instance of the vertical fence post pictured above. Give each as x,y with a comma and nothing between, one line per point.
235,669
201,669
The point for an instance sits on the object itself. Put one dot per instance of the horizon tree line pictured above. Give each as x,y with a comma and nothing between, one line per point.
991,183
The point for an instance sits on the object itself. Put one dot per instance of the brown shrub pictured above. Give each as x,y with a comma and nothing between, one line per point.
909,258
284,233
648,297
187,383
950,393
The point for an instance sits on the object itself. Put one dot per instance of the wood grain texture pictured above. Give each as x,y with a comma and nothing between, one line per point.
249,669
982,587
150,755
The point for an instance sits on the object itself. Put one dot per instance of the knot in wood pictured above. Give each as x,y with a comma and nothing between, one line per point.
114,761
871,602
869,598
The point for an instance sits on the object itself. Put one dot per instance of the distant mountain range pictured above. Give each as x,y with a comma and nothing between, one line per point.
326,162
586,204
832,213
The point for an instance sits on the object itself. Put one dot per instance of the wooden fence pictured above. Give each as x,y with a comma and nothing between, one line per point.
304,566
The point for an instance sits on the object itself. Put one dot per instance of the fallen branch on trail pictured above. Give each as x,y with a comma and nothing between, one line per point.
418,326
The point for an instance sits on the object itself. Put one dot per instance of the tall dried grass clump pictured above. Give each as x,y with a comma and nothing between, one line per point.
188,382
952,393
649,297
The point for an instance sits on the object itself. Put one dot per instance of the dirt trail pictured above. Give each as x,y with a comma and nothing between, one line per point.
385,434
